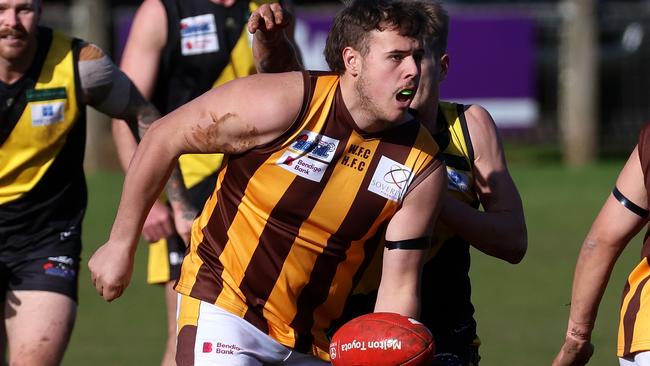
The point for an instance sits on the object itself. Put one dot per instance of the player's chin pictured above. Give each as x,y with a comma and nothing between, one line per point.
399,113
12,51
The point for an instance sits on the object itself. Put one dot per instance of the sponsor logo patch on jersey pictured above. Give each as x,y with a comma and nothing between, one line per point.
199,35
391,179
315,146
39,95
457,181
45,114
309,155
303,166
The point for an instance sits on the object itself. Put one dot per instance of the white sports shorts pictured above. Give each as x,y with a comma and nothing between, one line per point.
209,335
639,359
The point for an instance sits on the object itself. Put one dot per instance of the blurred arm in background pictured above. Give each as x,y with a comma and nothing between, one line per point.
610,233
274,47
140,62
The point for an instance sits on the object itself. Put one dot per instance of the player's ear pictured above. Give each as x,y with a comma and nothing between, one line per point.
444,66
351,60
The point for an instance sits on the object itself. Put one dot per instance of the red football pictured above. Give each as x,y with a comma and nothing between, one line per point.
382,339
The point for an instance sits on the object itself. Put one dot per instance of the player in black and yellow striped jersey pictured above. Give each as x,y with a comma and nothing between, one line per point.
46,81
477,175
447,307
623,215
176,51
315,169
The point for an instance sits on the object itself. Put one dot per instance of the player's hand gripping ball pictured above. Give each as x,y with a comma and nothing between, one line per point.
382,339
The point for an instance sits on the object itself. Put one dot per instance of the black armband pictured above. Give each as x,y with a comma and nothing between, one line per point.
629,204
410,244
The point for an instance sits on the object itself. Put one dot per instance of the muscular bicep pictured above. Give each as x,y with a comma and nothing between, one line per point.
493,182
237,116
630,181
621,210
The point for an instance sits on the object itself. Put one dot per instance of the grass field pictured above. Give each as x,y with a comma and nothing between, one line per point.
521,310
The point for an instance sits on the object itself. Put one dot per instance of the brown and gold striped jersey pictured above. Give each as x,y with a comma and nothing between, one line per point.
291,225
634,324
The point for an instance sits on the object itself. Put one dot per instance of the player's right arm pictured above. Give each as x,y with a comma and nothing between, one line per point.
222,121
499,230
140,62
399,289
610,233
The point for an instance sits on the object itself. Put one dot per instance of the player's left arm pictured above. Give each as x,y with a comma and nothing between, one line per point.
499,230
274,46
618,221
106,88
409,230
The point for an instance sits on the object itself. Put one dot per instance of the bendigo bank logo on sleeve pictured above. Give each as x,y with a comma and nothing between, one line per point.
391,179
309,155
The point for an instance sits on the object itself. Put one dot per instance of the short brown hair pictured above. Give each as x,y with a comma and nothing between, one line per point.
437,29
353,23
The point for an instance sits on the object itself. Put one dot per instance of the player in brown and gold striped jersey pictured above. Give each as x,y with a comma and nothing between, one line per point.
623,215
318,164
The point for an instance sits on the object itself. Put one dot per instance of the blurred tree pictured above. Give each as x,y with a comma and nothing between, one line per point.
578,114
90,23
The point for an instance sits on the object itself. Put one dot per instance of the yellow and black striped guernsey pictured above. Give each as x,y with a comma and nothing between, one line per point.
207,45
446,296
290,227
42,137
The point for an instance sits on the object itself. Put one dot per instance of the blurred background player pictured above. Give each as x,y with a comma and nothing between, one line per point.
46,81
622,216
477,175
315,169
176,51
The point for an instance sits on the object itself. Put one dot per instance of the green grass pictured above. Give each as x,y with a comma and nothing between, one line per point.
521,310
132,329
